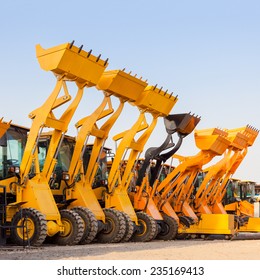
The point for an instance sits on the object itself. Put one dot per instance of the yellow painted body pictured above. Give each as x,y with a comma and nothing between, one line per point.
253,225
85,197
212,224
120,200
69,65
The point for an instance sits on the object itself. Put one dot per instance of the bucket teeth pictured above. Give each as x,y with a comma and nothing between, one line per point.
248,132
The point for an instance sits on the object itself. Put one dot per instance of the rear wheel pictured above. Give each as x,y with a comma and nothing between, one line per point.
28,226
147,228
73,228
169,228
115,227
90,224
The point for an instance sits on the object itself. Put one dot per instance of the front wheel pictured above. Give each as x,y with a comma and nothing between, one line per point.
169,228
115,227
28,226
73,228
90,224
147,227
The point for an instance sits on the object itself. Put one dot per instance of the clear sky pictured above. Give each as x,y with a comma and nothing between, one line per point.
207,52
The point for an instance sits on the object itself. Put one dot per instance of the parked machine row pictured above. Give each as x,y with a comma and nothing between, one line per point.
74,190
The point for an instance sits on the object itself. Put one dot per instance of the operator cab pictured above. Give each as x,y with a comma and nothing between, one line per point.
12,145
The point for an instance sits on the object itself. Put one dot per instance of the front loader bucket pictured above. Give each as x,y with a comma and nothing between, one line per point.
238,140
184,124
249,131
121,84
156,101
73,62
212,139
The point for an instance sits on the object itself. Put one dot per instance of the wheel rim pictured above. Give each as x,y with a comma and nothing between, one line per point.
110,225
26,228
67,227
165,229
142,227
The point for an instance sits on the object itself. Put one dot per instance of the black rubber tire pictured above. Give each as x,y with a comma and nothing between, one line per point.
147,228
35,223
115,227
74,228
90,224
130,228
169,228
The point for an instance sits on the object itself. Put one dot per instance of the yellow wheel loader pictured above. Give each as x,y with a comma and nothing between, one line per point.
34,205
213,187
178,188
240,199
144,195
12,143
248,213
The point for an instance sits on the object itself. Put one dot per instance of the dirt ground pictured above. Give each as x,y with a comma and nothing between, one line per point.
197,249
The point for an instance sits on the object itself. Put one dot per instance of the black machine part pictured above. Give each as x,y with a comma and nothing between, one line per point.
183,125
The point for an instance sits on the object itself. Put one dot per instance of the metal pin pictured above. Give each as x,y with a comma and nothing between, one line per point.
176,97
155,87
130,72
89,53
166,92
123,69
146,80
160,89
171,94
98,58
80,48
106,62
71,44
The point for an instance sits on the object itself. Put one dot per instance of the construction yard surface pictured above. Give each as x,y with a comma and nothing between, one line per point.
196,249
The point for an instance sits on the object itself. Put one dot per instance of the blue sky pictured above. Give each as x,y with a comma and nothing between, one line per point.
207,52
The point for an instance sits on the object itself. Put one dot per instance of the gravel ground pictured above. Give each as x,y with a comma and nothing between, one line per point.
196,249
